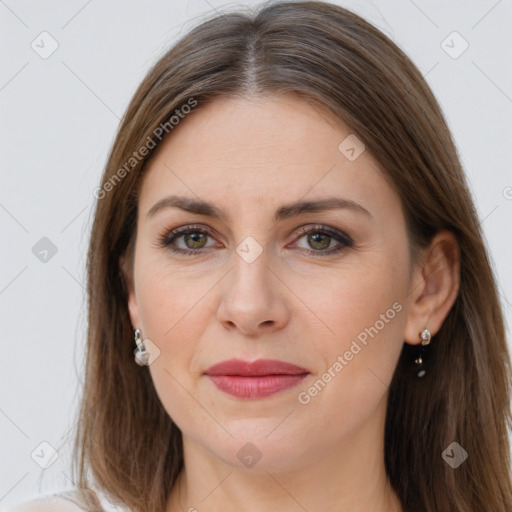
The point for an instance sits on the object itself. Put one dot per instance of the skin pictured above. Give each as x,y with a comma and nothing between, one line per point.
250,156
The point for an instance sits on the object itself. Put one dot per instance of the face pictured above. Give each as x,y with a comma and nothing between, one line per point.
323,288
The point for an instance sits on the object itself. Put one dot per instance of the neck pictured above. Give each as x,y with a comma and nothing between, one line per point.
234,491
349,477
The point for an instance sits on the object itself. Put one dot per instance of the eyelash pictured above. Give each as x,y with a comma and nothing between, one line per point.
344,240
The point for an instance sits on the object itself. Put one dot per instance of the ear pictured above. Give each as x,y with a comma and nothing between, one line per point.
127,274
434,287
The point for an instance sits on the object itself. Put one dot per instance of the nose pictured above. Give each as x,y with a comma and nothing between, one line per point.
253,298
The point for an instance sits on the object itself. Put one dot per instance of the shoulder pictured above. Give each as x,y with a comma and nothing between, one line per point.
68,501
51,503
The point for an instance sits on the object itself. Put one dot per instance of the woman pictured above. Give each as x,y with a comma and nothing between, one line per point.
285,244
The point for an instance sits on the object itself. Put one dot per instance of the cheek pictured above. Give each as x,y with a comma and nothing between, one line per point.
366,291
171,303
173,317
175,311
363,308
359,362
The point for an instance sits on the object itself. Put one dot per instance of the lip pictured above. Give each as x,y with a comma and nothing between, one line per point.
258,368
257,379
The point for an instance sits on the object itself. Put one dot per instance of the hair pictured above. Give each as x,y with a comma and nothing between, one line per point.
126,443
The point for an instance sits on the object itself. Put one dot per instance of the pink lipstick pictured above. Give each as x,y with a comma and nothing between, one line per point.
257,379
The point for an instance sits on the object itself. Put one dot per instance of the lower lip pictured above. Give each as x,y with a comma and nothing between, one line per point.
255,387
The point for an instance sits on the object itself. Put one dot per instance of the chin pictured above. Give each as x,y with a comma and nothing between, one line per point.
257,448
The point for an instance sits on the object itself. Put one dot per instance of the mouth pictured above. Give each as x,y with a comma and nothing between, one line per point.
257,379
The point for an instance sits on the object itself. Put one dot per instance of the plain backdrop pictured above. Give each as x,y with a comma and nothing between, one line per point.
59,113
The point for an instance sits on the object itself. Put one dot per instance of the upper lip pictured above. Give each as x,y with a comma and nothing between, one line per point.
257,368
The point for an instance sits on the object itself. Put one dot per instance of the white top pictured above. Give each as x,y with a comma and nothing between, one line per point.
64,501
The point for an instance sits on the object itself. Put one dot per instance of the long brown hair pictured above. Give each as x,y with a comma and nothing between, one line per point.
125,441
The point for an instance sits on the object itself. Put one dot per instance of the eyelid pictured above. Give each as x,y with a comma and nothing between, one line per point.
304,230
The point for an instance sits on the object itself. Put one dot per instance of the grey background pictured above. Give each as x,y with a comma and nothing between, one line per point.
58,119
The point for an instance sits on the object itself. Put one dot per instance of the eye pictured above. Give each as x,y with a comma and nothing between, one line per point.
186,240
322,240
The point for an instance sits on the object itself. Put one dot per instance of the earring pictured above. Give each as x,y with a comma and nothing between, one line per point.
425,338
141,355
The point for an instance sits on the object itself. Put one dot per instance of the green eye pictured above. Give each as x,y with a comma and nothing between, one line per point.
186,240
319,240
195,240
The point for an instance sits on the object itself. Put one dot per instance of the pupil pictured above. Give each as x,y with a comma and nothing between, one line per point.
316,238
195,238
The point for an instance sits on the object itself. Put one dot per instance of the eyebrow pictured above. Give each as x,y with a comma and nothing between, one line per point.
201,207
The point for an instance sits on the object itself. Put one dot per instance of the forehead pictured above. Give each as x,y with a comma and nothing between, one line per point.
238,150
